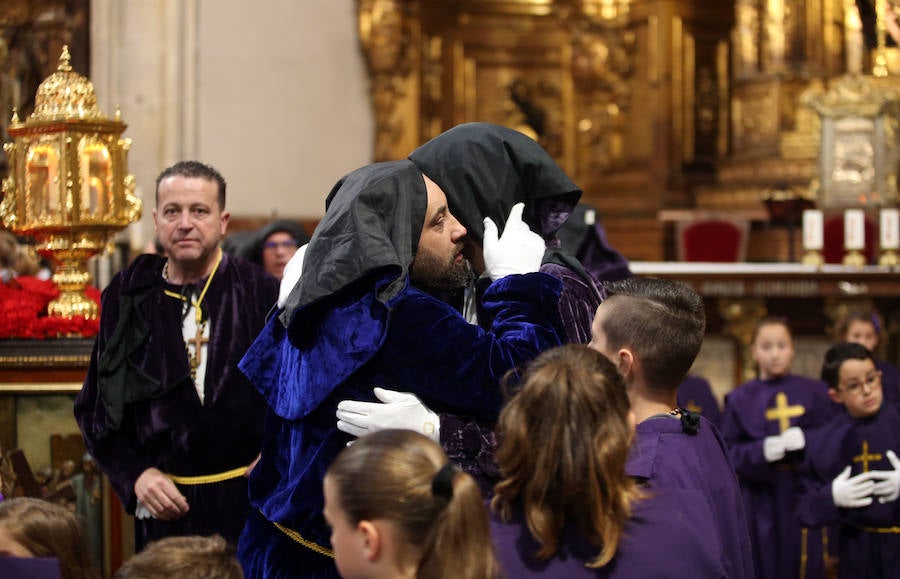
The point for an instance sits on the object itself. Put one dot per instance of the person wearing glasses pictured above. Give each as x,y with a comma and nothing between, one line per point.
852,475
275,244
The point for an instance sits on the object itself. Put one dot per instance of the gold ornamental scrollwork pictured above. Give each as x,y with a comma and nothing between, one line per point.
385,37
601,67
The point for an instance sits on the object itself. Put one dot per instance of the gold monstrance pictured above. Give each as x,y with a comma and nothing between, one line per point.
68,186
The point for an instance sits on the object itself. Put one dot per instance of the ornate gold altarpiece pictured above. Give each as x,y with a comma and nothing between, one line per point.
630,97
649,105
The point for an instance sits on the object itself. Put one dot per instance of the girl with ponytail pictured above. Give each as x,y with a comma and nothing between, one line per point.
398,508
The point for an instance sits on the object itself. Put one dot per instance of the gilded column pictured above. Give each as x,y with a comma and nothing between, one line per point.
384,35
600,65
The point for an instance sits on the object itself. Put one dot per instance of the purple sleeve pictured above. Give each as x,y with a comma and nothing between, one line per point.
815,506
746,453
120,459
577,303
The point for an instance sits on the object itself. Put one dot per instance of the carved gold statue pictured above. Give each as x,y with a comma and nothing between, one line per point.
68,185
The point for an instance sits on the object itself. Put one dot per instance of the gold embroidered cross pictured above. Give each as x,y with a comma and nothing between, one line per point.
865,458
783,413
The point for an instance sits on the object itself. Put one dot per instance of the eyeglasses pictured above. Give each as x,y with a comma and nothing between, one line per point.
287,244
871,381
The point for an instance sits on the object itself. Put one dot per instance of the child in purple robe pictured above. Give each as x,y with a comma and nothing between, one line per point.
852,473
566,506
764,425
864,327
416,514
652,330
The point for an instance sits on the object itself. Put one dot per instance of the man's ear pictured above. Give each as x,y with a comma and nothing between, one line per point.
625,363
371,539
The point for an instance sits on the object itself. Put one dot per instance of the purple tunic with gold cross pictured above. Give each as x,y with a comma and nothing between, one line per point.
869,543
753,411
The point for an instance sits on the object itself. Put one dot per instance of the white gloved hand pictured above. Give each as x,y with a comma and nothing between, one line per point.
519,250
793,439
400,410
291,275
852,492
887,487
773,448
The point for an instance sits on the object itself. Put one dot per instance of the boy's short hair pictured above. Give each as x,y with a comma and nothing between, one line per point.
187,557
837,355
661,321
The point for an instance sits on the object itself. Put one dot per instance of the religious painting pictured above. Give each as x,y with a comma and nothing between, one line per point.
859,154
43,451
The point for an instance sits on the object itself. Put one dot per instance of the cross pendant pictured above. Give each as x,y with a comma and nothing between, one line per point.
197,356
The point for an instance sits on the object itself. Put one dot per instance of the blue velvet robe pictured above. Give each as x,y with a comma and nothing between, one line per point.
413,343
168,427
664,456
696,395
669,536
769,490
830,448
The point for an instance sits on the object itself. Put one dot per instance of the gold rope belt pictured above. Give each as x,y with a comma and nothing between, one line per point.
882,530
205,479
305,542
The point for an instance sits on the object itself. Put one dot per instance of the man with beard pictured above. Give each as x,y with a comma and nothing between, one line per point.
363,314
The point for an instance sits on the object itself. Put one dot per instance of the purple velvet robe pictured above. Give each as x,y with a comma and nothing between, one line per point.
696,395
664,456
471,445
869,543
779,541
577,303
422,346
172,430
669,536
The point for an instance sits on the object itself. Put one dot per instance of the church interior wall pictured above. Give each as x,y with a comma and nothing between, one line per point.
274,95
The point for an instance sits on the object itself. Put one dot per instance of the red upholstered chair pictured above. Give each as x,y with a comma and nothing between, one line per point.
833,239
717,240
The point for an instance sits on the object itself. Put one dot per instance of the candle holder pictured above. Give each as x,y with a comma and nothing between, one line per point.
854,258
813,257
68,186
889,258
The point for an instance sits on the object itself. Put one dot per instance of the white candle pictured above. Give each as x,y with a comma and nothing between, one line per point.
890,229
812,230
854,230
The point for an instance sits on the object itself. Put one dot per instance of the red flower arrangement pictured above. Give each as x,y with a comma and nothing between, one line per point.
23,312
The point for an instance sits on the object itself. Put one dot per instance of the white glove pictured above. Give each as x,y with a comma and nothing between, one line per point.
793,439
887,488
400,410
852,492
519,250
773,448
291,275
